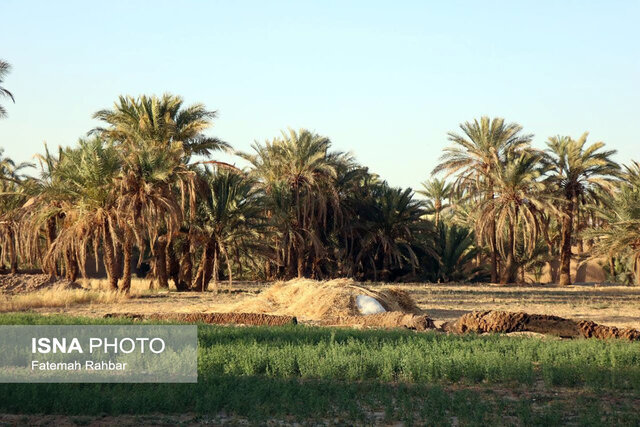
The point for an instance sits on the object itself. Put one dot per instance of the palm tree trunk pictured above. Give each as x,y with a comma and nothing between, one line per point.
185,267
267,270
108,256
13,257
216,268
300,263
229,269
494,253
161,262
565,245
636,268
198,283
579,228
612,268
125,286
510,269
118,260
208,264
173,268
51,236
71,265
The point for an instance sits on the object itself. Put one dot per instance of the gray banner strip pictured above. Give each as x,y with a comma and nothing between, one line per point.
99,354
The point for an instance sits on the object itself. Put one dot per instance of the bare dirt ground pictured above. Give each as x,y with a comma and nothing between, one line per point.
602,303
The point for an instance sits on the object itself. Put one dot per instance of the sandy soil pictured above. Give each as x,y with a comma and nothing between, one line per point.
603,304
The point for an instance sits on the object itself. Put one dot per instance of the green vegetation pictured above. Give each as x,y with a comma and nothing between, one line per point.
143,189
307,372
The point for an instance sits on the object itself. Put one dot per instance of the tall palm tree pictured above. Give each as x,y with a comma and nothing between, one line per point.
519,199
162,119
297,173
577,171
149,130
43,213
5,68
437,191
84,187
473,156
147,207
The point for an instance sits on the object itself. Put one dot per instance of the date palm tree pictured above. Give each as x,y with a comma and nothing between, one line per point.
156,137
84,187
519,200
437,192
475,153
577,171
12,197
5,68
297,173
456,250
619,236
392,232
230,223
162,119
147,208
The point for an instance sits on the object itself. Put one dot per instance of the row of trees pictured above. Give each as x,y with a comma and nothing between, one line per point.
135,187
142,188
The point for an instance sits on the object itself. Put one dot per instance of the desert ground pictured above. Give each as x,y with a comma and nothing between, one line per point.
602,303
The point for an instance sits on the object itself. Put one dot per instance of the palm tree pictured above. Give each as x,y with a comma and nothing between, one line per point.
577,172
84,187
297,173
43,213
619,237
437,191
456,250
392,232
231,223
161,119
519,199
12,197
5,68
156,136
147,206
483,145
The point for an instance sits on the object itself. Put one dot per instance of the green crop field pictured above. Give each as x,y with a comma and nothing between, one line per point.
348,376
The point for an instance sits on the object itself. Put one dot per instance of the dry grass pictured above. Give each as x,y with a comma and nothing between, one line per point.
314,300
58,298
138,286
88,291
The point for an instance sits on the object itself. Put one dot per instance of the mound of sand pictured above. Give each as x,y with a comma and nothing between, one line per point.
23,283
509,322
334,303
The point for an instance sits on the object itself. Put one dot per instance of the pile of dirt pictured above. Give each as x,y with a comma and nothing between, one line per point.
508,322
334,303
23,283
214,318
505,322
392,319
593,330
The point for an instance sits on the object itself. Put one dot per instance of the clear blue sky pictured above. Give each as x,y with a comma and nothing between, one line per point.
385,80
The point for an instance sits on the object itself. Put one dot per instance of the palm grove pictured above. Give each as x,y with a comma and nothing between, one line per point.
142,189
